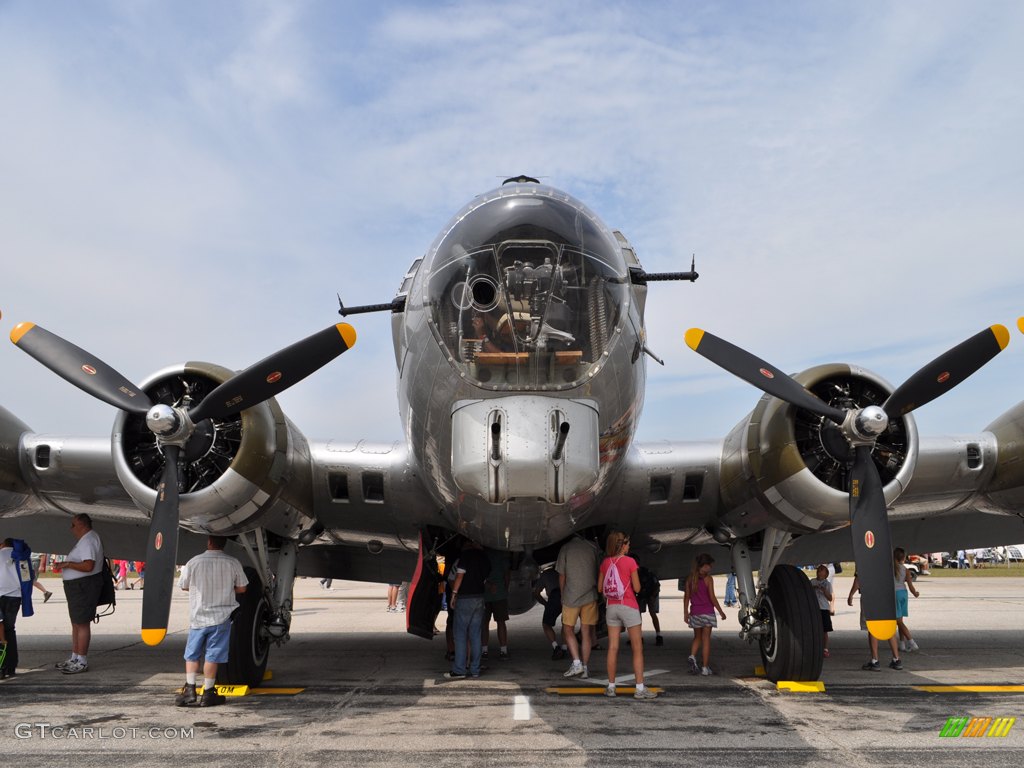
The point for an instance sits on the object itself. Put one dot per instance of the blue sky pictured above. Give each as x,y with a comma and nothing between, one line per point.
195,181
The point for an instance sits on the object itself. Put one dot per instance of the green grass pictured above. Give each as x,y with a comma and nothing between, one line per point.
989,571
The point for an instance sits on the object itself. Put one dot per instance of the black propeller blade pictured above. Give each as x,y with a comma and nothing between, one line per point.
161,552
174,427
75,365
757,372
947,370
869,518
275,373
872,545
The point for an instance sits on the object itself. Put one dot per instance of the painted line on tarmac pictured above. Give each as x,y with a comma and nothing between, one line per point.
969,688
521,708
625,678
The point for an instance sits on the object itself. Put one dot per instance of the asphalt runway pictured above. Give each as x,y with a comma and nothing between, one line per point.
352,687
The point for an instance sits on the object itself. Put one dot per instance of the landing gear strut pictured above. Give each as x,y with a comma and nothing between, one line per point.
263,616
781,613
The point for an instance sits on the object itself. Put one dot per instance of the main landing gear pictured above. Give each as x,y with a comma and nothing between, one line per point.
263,616
782,614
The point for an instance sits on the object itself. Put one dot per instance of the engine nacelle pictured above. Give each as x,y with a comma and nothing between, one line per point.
1005,492
788,468
248,470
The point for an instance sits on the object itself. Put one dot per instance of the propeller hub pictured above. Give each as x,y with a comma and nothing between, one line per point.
871,422
162,420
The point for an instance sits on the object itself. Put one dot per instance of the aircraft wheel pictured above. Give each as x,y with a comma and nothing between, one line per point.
793,648
250,646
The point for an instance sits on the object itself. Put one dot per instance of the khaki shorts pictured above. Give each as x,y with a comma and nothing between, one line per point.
587,614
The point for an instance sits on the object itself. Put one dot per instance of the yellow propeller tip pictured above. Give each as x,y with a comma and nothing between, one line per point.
693,338
1020,324
154,636
1002,334
348,333
20,330
883,629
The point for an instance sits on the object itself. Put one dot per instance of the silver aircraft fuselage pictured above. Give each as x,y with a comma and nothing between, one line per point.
521,376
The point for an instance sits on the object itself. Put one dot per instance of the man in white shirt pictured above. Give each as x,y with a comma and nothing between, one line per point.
82,572
10,604
212,580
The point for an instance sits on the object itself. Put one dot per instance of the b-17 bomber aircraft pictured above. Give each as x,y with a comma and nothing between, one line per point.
521,351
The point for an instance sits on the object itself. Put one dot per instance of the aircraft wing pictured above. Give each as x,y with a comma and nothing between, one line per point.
943,493
359,502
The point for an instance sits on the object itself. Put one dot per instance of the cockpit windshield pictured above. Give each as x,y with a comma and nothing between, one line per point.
525,289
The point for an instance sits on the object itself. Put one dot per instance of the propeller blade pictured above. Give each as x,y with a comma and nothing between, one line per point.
872,546
760,374
947,370
276,373
1020,324
161,553
75,365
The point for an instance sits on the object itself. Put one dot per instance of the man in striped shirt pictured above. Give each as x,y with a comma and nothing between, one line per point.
212,580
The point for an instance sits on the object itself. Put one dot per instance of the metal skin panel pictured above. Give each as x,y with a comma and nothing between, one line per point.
11,481
79,477
1007,488
357,521
948,475
528,432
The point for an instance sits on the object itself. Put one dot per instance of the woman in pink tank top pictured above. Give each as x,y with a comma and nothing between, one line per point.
699,606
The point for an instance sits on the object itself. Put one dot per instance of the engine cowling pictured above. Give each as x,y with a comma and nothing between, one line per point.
245,471
785,467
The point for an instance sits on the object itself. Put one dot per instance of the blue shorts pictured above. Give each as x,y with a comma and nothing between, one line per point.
214,639
902,603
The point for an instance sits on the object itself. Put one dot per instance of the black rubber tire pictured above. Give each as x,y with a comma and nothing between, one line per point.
794,649
250,649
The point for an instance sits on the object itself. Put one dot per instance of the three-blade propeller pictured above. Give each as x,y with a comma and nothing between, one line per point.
174,426
861,427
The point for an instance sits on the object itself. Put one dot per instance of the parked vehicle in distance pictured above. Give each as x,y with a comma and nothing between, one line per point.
918,566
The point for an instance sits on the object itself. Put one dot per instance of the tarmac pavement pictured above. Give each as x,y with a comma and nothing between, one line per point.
352,686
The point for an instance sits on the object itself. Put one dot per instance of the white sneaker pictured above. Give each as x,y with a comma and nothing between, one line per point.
610,691
644,693
63,664
694,667
903,645
912,646
75,667
575,670
586,672
706,671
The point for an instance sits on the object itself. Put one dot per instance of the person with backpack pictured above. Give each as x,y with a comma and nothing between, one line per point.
699,605
619,581
82,572
10,605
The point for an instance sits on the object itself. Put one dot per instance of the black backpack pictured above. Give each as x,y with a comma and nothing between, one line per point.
108,595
